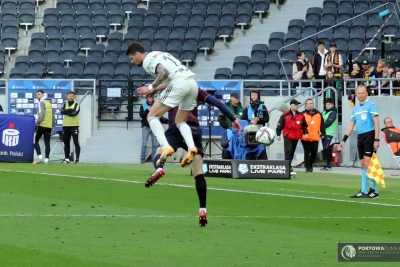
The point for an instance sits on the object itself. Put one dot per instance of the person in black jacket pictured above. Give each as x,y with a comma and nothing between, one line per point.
256,113
146,130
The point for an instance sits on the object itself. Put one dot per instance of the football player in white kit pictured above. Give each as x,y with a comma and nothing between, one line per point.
178,87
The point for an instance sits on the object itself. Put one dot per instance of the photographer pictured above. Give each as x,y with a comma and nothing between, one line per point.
242,145
256,113
233,106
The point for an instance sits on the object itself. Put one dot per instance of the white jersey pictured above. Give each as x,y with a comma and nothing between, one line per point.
175,68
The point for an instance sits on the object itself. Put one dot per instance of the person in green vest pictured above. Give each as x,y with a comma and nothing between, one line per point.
329,115
44,125
70,110
234,106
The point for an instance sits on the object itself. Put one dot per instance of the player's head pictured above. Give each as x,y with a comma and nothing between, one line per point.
361,92
136,53
39,94
70,96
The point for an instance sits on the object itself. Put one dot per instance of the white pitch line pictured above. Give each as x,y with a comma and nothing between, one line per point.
188,216
210,188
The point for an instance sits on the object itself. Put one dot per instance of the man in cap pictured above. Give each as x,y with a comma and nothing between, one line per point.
294,125
333,60
234,106
256,112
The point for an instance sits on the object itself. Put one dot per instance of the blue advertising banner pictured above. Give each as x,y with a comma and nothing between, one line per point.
221,90
17,133
22,97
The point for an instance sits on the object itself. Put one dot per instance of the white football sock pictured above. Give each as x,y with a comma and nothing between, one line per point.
158,131
187,134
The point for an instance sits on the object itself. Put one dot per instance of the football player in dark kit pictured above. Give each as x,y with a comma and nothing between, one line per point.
176,140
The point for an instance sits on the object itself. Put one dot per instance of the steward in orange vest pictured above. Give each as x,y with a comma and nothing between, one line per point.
316,128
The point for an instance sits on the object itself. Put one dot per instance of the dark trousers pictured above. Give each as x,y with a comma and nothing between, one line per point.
310,153
319,85
46,132
326,141
74,133
290,148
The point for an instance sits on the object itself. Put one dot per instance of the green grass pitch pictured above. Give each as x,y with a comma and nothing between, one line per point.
87,215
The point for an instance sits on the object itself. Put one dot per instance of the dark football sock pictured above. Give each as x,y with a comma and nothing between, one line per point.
201,188
156,157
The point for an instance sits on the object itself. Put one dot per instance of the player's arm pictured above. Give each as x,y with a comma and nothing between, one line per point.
209,99
41,111
162,74
75,111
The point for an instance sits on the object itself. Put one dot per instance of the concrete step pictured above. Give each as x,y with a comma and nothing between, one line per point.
133,143
109,158
113,150
116,134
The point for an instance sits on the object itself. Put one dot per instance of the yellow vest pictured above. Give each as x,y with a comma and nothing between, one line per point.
47,121
69,121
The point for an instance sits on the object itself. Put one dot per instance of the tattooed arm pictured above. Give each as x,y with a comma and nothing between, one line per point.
162,74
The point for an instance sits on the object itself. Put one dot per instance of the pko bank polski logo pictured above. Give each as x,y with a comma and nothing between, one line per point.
348,252
205,168
10,137
243,168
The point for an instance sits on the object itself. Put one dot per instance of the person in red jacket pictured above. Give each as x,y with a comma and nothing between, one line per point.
316,128
293,125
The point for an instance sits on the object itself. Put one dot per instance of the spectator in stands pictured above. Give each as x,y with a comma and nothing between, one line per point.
302,69
234,106
391,135
256,112
367,69
390,73
330,120
358,72
333,60
315,129
396,84
317,63
294,125
378,71
146,130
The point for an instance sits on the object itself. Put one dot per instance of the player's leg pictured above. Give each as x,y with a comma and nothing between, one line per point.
38,135
189,91
157,110
313,153
307,152
66,141
176,140
154,145
145,137
75,138
197,172
46,137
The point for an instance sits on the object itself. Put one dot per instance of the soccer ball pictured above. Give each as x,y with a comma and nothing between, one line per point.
265,136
